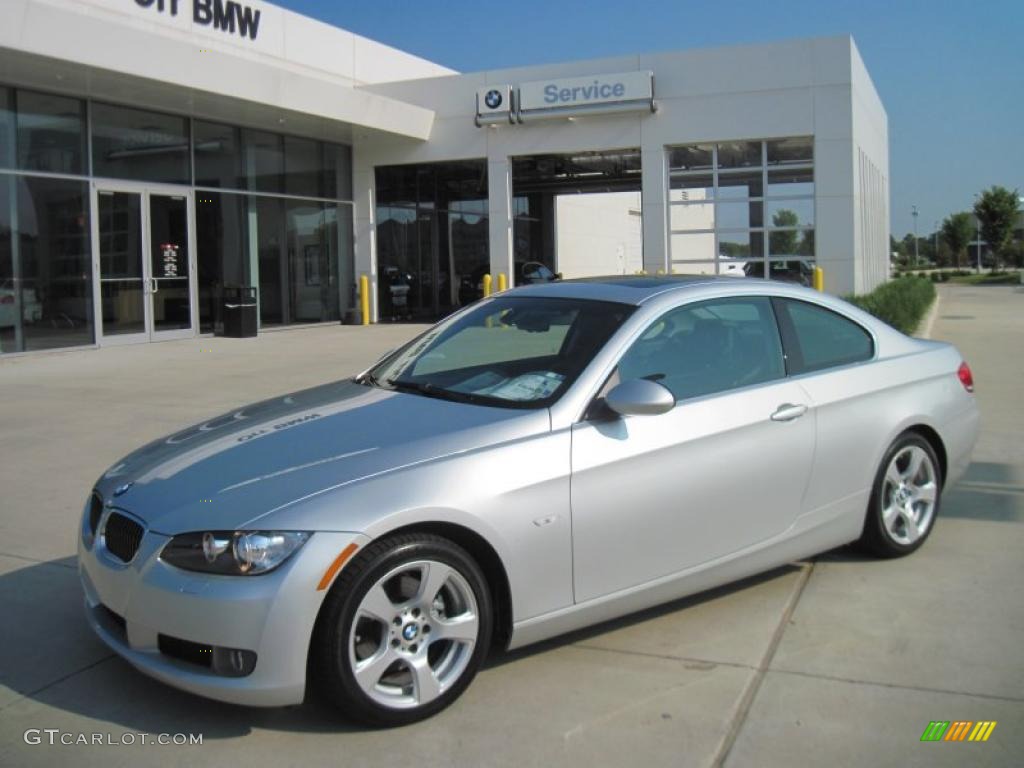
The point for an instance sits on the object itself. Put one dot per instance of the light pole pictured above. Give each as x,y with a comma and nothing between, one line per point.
977,220
913,212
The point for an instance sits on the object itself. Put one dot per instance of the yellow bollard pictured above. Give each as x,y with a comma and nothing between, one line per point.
819,279
364,298
502,282
487,286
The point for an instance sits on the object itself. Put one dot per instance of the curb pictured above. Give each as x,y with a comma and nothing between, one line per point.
925,328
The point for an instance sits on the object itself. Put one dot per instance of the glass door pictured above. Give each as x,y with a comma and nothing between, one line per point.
144,259
170,273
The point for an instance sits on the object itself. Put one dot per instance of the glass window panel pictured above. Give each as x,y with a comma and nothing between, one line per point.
135,144
396,185
265,235
337,173
795,150
217,155
693,247
693,268
692,187
7,128
824,339
51,134
791,213
791,243
312,277
46,271
692,216
262,161
693,157
790,182
739,215
800,271
343,236
739,154
685,349
751,267
740,185
303,167
741,245
222,251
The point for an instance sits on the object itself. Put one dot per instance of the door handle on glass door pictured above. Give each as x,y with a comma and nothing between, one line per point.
788,412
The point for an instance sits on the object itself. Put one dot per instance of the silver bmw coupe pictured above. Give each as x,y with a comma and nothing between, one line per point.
545,459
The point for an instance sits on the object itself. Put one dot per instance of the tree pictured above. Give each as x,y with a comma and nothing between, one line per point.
957,231
996,209
783,243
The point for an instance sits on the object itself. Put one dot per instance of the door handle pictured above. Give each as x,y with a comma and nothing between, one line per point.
155,286
789,412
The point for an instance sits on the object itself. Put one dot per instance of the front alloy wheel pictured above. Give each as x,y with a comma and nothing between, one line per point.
403,631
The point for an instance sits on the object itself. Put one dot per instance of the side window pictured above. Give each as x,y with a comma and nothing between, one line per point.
818,338
711,346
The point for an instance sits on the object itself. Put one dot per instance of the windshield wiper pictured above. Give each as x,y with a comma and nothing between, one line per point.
431,390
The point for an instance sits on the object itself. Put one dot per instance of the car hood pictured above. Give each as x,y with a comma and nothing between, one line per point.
244,464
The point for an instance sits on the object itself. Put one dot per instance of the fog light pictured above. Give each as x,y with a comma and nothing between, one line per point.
233,662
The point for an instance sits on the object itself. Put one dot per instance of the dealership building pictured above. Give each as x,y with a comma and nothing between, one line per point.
158,157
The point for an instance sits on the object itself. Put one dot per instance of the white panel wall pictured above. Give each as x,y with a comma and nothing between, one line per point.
598,234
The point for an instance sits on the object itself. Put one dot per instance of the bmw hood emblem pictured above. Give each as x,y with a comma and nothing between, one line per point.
121,490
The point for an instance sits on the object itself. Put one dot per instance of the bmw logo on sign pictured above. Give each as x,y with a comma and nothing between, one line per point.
493,98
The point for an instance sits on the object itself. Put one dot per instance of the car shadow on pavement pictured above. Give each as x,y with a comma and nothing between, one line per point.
499,658
53,664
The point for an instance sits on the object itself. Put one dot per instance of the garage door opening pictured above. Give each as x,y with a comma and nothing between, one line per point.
578,214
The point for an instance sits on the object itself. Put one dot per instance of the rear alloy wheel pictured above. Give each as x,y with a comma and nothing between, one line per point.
905,499
403,631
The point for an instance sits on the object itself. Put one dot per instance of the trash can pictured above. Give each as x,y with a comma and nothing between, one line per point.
239,311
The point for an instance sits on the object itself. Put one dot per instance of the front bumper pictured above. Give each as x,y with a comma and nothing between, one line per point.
271,614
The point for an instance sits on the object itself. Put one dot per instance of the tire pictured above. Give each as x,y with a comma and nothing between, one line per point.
388,653
905,498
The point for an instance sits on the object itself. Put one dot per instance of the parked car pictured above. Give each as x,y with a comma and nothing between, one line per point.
31,307
471,286
543,460
797,271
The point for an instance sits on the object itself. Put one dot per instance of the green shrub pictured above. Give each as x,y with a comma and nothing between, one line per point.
901,303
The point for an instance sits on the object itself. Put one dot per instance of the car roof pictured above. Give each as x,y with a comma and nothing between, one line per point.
632,289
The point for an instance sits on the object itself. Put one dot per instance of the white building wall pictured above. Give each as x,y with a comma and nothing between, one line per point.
598,234
871,185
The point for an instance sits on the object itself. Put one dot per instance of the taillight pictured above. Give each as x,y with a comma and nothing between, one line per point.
966,378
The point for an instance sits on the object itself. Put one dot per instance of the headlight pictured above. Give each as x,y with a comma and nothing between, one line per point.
236,553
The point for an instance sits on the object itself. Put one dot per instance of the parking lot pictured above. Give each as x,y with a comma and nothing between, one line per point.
839,661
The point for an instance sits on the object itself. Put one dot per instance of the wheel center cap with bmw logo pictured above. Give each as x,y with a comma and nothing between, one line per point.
493,98
409,631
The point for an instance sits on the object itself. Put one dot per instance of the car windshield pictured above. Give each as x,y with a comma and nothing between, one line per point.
514,352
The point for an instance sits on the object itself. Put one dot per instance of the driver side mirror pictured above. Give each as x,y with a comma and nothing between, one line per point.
640,397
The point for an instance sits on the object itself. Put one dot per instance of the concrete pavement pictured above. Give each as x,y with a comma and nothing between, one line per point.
842,661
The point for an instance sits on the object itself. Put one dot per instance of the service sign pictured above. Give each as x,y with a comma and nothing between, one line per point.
587,91
494,100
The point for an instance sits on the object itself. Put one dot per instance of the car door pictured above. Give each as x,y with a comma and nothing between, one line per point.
724,470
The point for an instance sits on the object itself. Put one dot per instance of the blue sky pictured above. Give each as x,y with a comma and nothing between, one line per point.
950,73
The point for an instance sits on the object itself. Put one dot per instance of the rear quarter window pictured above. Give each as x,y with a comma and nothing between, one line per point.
817,338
